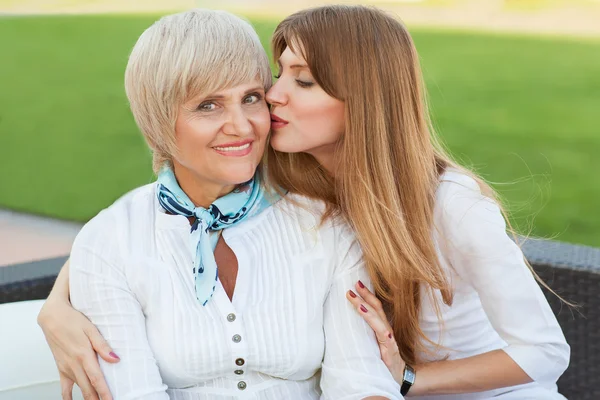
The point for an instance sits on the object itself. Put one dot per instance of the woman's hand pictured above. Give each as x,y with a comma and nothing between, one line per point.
74,342
370,308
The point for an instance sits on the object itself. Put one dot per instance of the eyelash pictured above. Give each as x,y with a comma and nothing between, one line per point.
258,96
300,83
303,84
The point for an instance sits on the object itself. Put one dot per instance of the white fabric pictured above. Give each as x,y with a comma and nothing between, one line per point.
497,302
27,368
131,274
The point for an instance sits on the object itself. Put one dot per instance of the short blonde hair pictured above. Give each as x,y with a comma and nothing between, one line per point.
185,55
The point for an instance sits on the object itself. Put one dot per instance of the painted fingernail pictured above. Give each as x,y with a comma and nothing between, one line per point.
351,293
362,286
113,355
363,308
390,335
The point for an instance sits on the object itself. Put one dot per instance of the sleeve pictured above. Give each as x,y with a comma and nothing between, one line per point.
352,366
481,252
99,289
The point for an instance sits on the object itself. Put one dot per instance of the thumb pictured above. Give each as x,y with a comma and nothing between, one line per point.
101,347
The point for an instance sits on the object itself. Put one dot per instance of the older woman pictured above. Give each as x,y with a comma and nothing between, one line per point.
202,288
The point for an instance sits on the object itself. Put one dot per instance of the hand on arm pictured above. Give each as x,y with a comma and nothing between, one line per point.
473,374
74,345
99,288
352,366
475,243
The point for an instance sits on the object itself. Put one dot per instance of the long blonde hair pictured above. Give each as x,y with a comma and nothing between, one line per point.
390,160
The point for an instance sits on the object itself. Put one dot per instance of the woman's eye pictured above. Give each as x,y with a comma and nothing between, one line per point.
304,84
252,98
207,106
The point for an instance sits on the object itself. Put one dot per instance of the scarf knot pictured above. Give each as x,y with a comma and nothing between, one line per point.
242,203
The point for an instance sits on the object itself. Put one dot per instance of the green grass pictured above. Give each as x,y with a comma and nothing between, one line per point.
513,107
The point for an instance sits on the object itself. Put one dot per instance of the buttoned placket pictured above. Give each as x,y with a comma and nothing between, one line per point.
233,323
236,337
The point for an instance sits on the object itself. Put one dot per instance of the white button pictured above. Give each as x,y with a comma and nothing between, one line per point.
236,338
231,317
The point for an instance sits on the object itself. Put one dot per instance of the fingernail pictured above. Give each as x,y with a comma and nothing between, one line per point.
351,293
362,286
113,355
390,335
363,308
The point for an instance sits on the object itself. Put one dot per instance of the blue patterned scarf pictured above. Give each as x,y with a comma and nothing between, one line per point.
243,202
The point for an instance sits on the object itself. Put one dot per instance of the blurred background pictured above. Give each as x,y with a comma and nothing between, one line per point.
514,88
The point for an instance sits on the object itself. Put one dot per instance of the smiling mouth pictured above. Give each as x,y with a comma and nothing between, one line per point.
233,148
239,149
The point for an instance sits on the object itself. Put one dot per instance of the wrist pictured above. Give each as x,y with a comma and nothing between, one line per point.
408,380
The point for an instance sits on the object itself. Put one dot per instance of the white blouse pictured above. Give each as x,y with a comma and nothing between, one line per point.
497,302
288,333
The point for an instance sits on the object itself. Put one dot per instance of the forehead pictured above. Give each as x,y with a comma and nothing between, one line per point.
291,59
234,91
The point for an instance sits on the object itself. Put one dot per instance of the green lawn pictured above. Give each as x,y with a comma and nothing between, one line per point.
522,110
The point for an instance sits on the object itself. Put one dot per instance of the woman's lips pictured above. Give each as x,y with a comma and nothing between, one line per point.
234,149
277,123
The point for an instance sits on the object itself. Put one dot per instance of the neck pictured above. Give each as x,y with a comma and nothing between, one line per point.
327,160
202,192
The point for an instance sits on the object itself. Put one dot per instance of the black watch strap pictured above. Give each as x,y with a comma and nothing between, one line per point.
408,379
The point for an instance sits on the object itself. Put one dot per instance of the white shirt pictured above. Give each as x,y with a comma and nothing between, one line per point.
288,324
497,303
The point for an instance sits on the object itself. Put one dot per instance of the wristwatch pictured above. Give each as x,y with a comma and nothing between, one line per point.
408,379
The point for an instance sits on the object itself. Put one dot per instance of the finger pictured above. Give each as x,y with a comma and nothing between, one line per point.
88,391
100,345
96,378
66,387
371,299
379,325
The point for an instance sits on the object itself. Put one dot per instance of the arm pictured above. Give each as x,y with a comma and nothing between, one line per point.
475,243
352,367
99,289
478,248
74,345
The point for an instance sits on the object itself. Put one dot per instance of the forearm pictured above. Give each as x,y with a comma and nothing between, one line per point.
479,373
60,290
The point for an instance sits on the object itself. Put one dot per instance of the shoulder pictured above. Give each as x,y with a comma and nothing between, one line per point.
304,218
109,225
458,195
462,211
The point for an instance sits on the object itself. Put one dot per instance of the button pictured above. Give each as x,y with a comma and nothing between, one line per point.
238,372
236,338
239,362
242,385
231,317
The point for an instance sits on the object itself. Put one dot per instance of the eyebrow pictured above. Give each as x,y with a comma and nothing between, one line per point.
221,97
294,66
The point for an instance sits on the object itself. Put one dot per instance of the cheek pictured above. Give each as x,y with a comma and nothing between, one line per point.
324,120
192,138
262,123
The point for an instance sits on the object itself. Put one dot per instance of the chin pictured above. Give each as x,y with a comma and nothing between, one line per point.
240,174
284,146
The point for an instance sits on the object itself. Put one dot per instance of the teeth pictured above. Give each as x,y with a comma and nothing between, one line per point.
235,148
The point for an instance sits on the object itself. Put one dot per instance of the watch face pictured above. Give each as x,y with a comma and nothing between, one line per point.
409,376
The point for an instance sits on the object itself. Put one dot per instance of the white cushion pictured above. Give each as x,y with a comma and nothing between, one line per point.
27,368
